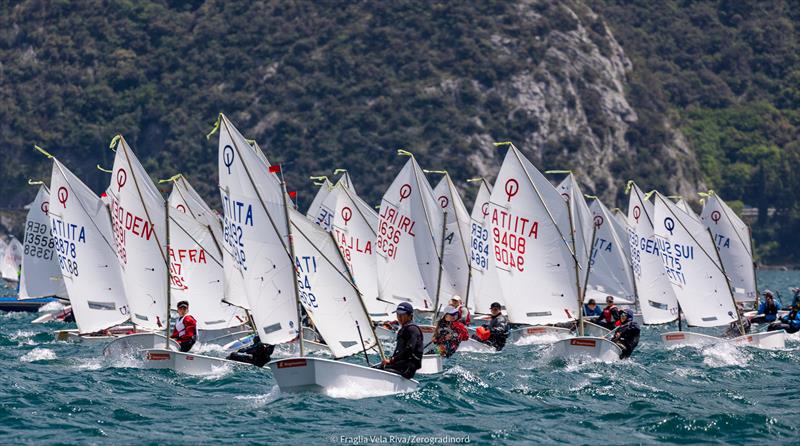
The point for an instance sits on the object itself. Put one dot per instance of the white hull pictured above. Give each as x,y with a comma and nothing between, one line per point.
587,347
187,363
431,365
110,334
473,346
132,344
768,340
337,378
594,330
545,332
224,339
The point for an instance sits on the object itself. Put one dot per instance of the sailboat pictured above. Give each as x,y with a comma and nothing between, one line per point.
196,266
611,269
84,245
315,211
40,276
139,216
656,296
735,244
698,277
456,236
12,261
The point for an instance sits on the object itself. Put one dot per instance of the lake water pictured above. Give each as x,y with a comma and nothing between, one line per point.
65,393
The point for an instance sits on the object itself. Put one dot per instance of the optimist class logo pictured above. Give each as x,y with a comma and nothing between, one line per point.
598,220
716,216
227,157
347,214
485,209
122,178
511,188
637,212
669,224
443,201
181,208
63,194
405,192
45,207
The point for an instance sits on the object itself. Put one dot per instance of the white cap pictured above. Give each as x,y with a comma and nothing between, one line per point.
456,297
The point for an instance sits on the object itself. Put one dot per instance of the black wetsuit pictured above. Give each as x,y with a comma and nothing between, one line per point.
257,354
498,331
627,337
407,357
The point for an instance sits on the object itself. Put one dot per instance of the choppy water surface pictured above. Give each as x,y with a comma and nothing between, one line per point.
59,392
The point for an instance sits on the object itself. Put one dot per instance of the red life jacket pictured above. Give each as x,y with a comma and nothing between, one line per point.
185,329
607,315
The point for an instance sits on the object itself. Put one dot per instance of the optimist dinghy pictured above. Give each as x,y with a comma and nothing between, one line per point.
188,363
305,374
698,276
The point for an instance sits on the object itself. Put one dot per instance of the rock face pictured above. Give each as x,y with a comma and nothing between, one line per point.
576,94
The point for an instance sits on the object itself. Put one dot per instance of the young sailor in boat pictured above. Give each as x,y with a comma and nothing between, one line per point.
627,334
257,353
610,316
449,333
185,331
733,328
463,312
591,309
407,357
767,311
495,332
790,322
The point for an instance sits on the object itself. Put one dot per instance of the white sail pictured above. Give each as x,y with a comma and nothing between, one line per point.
684,206
732,237
409,231
581,220
656,297
610,273
12,260
485,287
692,264
316,212
255,234
41,274
457,238
3,247
347,182
330,299
196,271
533,255
138,214
86,251
354,226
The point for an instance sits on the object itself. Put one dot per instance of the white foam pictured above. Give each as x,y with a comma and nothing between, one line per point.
538,340
467,380
51,307
355,392
218,372
725,354
38,354
201,348
259,401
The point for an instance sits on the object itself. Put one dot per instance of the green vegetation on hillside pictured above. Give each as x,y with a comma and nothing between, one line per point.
729,71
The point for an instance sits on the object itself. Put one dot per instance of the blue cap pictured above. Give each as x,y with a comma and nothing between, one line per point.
404,308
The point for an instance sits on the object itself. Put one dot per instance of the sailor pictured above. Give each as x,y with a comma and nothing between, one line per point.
610,316
767,311
185,332
463,312
789,322
741,324
591,309
495,332
627,334
407,357
449,333
796,298
257,353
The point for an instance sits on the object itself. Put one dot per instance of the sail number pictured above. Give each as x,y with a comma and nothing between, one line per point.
509,249
480,246
38,243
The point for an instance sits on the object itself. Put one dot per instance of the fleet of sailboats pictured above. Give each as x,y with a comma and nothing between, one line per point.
261,267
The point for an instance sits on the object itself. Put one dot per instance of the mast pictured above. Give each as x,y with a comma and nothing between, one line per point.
169,279
727,281
577,266
294,264
582,293
441,268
